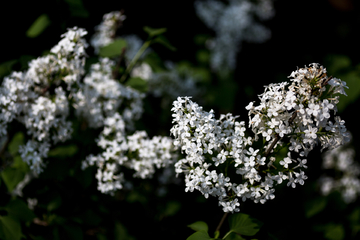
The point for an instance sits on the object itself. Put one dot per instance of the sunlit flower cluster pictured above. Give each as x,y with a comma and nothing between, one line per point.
299,115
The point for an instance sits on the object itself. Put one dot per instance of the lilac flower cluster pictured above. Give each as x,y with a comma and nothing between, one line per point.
42,97
136,152
218,152
38,99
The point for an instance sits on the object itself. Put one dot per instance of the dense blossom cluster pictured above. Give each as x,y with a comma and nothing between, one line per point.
136,152
233,23
218,152
100,96
42,98
341,161
38,97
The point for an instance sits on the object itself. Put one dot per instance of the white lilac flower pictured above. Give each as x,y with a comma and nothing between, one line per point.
100,96
26,96
298,117
137,152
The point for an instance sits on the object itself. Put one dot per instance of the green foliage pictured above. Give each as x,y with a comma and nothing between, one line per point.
137,83
341,67
199,226
38,26
10,223
315,206
240,225
15,173
18,209
243,224
334,232
5,67
163,41
154,31
234,236
155,34
120,232
113,49
9,228
200,235
63,151
77,8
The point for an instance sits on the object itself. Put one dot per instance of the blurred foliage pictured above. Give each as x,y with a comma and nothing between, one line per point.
38,26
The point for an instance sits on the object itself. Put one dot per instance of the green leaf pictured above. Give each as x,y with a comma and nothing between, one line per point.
138,84
15,142
6,67
172,207
234,236
163,41
334,232
120,232
77,8
11,177
154,31
201,235
9,228
199,226
18,209
203,56
54,204
340,67
315,206
38,26
63,151
113,49
352,80
243,224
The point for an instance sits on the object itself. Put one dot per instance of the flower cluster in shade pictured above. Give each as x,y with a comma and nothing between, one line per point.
224,160
39,97
344,173
57,85
233,23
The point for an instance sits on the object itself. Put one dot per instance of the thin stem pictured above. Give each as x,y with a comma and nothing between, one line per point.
134,60
227,234
221,222
116,72
277,138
